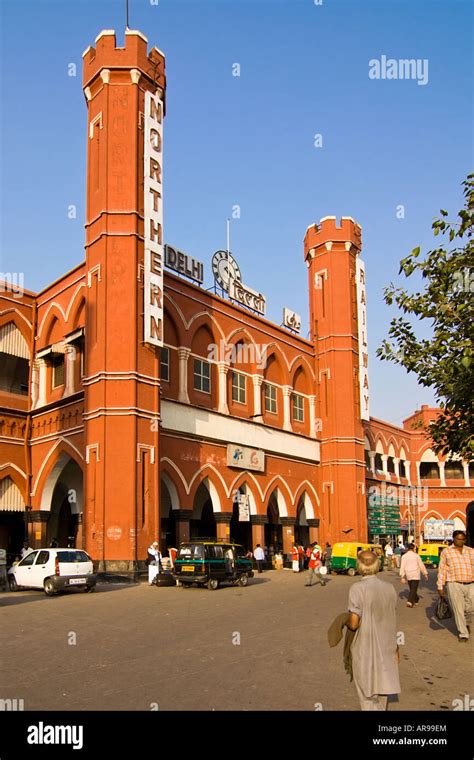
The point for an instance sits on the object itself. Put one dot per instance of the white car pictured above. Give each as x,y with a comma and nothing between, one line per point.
53,570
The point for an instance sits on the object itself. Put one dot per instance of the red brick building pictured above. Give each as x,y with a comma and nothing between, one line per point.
111,439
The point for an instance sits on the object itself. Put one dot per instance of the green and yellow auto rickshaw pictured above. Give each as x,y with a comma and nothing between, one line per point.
430,553
344,556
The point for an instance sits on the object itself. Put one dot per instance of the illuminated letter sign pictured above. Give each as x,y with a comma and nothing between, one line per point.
363,348
153,207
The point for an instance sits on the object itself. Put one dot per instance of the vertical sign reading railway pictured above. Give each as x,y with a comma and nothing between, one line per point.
363,348
153,209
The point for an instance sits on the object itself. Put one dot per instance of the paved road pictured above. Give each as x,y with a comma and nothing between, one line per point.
177,649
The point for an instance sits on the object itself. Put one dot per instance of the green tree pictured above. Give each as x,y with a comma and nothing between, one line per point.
444,361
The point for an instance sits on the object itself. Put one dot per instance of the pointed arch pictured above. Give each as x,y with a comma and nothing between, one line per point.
433,514
301,361
78,317
61,458
61,446
75,306
246,476
274,350
427,454
177,317
172,490
12,471
53,312
173,470
278,480
214,483
171,331
300,380
392,447
247,480
307,490
201,338
15,317
456,513
207,319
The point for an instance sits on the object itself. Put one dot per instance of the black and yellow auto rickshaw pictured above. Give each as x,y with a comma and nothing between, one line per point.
210,563
344,556
431,553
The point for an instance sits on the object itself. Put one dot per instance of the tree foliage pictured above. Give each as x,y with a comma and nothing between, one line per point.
443,362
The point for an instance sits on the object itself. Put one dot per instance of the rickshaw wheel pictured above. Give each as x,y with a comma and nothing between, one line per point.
212,584
351,571
243,580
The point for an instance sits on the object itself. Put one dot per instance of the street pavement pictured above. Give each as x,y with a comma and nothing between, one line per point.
264,647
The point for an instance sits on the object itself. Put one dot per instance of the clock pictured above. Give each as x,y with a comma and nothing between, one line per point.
225,267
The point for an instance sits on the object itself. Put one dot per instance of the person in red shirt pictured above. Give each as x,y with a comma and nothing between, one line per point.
315,565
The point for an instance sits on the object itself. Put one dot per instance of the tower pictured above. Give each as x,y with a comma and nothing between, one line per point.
121,382
336,283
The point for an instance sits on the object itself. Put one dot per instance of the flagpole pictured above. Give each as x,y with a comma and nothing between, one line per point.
228,250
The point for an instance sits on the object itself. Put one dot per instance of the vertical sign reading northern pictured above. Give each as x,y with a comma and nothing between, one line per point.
363,348
153,209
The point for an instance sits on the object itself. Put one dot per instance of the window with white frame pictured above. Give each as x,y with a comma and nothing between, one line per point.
202,376
298,407
165,364
270,398
239,385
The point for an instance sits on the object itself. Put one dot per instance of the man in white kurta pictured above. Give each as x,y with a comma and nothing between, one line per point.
372,605
154,557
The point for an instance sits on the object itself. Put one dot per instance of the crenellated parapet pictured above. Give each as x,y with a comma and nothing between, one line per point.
109,64
328,232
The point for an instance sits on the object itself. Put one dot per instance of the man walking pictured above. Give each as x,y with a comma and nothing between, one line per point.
456,573
410,568
259,556
315,565
374,650
388,555
327,555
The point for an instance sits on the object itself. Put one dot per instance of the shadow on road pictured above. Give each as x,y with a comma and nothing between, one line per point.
22,597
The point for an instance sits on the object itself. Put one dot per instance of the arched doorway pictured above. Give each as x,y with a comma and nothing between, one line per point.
202,523
273,529
167,512
470,524
301,526
66,502
241,530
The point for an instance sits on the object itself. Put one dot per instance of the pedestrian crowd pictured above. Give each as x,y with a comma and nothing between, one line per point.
371,653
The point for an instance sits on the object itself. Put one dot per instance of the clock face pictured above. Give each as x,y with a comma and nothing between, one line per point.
225,267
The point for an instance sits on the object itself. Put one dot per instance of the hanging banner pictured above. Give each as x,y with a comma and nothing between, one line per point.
363,348
153,223
244,507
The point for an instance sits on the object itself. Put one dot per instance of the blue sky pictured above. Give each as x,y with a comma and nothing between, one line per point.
249,140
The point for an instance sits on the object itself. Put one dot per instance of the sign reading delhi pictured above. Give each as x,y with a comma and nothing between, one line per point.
183,264
153,212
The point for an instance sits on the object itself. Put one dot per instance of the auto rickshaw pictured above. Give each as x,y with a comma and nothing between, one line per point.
344,556
430,553
210,563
